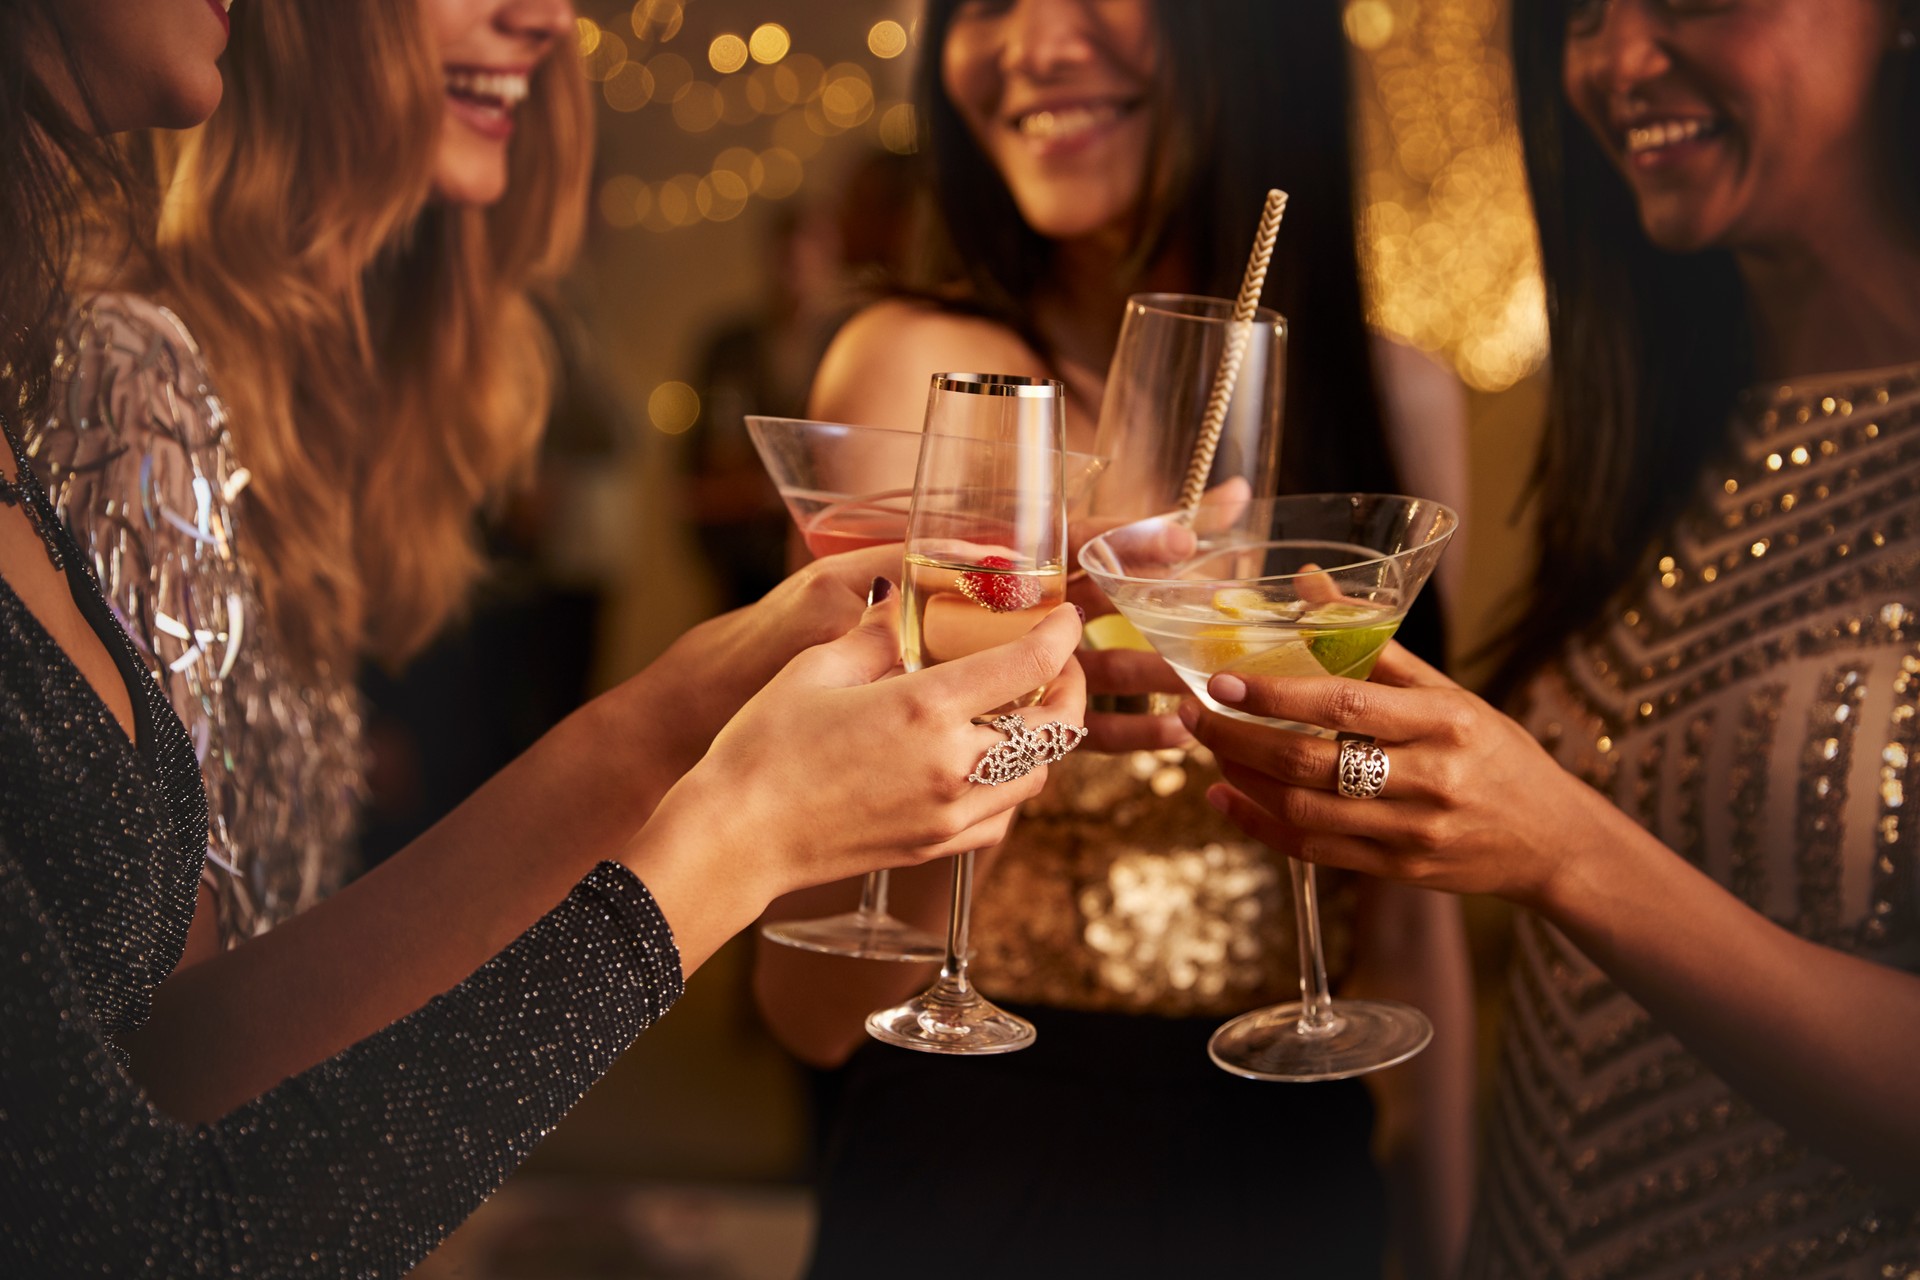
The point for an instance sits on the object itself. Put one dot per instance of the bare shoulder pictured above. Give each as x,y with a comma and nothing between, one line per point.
877,367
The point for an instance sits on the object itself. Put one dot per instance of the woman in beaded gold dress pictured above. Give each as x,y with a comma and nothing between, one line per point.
1710,1059
1082,153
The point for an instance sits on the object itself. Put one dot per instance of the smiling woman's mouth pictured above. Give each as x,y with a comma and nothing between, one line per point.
1061,123
1655,137
486,98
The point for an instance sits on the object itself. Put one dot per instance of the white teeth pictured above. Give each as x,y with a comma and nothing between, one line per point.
1046,125
504,88
1664,133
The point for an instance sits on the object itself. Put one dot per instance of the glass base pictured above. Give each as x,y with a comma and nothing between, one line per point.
946,1020
859,936
1364,1035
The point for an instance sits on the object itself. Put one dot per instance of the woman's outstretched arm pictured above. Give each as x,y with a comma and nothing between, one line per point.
1821,1041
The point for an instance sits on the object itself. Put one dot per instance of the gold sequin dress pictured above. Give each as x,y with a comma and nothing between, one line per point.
1752,702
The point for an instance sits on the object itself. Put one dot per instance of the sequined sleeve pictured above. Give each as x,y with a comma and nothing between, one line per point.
137,459
358,1166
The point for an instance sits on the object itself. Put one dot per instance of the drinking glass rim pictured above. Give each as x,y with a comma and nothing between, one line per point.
752,418
1158,303
1001,384
1178,516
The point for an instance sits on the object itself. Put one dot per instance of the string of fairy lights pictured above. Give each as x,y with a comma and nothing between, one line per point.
740,79
1446,228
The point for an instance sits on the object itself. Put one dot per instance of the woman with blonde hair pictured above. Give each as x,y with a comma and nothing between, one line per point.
398,1050
275,435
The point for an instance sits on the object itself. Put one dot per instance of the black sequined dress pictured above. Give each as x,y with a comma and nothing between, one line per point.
356,1167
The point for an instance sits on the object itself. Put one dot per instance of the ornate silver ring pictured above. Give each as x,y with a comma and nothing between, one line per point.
1024,750
1363,768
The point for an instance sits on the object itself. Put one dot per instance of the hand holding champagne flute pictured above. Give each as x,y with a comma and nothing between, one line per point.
986,561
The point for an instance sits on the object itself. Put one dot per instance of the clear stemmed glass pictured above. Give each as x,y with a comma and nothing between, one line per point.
1156,396
986,560
850,487
1309,585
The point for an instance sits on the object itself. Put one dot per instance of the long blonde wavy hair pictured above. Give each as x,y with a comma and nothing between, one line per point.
385,366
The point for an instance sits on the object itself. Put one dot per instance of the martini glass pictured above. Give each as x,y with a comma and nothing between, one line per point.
1310,585
847,488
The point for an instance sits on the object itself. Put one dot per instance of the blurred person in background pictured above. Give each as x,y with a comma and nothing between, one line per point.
1080,153
822,255
1708,1062
460,1042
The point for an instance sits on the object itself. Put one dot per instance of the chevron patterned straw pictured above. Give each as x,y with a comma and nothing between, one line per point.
1228,374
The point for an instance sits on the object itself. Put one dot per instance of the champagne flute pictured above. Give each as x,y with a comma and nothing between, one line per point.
986,561
1308,585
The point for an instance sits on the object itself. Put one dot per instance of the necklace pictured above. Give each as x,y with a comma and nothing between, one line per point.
20,491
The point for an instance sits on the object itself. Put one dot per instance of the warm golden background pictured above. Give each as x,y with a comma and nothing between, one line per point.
720,121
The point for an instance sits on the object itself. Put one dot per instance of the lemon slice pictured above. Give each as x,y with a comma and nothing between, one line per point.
1112,631
1245,602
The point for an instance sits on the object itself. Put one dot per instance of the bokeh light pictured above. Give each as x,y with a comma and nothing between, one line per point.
899,129
608,56
629,88
589,33
769,42
673,407
1369,23
887,39
727,54
671,75
658,19
620,200
782,173
697,109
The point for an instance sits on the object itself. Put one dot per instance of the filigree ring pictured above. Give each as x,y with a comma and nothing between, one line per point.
1363,768
1024,750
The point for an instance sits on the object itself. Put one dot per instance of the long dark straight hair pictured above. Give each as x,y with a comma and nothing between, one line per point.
1650,351
1256,94
54,166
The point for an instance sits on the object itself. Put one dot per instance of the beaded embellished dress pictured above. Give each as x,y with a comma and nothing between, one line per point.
137,456
356,1167
1752,702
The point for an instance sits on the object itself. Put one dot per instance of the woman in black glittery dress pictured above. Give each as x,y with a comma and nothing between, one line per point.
501,1007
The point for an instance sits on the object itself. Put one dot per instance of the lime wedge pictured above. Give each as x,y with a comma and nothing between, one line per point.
1111,631
1350,651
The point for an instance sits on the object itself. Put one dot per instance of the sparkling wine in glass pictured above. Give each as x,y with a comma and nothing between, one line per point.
1309,585
986,560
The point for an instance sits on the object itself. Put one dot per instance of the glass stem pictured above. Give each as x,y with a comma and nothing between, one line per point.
1316,1003
953,973
873,896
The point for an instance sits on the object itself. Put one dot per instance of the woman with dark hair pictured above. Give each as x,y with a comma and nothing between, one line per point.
505,967
1709,1062
1081,153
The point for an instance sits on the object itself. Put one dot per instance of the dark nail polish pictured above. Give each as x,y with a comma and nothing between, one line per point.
1083,614
878,592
